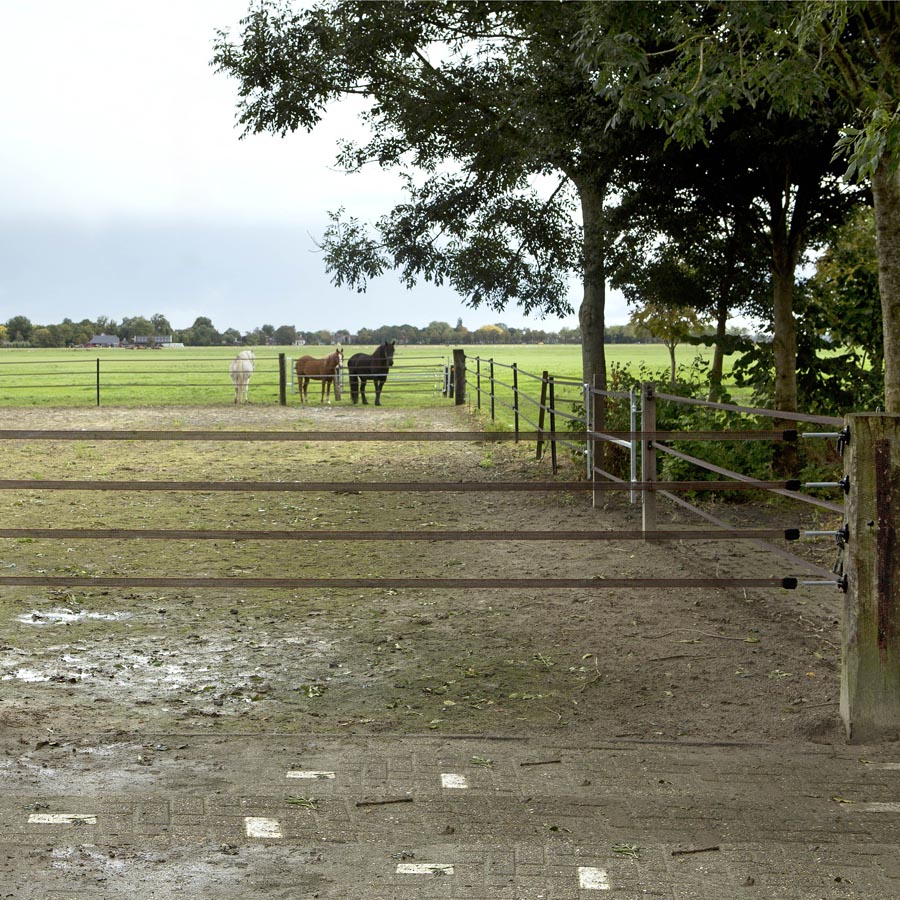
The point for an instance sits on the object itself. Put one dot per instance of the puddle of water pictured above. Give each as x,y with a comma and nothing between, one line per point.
224,671
31,676
65,616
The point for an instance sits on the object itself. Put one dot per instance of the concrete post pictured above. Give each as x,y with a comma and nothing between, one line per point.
870,657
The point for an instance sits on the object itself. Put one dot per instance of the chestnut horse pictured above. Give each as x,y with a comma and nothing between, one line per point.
324,370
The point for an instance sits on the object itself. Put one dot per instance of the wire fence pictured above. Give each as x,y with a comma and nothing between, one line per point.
511,396
288,581
167,377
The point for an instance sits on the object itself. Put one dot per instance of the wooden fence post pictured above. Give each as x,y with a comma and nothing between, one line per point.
459,376
870,644
282,379
98,381
648,454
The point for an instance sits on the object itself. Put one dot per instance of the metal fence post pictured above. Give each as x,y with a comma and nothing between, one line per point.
648,454
589,426
632,420
98,381
515,374
491,362
552,425
541,411
478,379
870,631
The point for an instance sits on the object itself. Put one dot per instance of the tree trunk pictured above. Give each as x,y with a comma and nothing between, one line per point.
785,337
886,195
718,360
784,261
672,366
591,315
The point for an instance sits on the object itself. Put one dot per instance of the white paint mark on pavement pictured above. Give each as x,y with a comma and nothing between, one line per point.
448,780
424,869
61,819
592,879
257,827
311,775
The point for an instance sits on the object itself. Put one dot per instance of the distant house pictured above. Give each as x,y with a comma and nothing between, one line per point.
157,340
104,340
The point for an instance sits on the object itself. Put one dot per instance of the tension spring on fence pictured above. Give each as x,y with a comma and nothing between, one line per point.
844,484
842,534
840,583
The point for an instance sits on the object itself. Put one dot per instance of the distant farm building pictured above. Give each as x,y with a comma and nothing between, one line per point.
156,340
104,340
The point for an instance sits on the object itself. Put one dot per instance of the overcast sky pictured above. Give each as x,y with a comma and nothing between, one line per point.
124,189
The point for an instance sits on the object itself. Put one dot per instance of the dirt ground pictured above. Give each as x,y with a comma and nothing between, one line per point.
703,665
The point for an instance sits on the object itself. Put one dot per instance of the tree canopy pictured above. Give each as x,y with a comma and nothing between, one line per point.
521,129
689,69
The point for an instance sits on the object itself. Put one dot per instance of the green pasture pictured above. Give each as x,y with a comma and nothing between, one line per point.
200,375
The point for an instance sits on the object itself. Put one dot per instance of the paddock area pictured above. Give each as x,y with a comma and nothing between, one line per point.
149,695
749,664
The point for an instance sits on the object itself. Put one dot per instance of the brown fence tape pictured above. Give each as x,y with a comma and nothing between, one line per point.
161,534
354,487
392,583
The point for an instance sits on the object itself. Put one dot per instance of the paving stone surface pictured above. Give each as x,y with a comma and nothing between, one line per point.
377,818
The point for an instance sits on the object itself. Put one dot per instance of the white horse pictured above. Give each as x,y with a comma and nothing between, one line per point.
241,370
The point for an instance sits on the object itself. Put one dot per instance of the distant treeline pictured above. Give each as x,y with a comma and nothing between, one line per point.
19,331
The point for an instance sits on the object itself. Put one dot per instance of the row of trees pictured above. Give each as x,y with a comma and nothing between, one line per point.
20,331
704,150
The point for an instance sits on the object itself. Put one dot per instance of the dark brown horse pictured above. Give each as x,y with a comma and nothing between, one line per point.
363,366
324,370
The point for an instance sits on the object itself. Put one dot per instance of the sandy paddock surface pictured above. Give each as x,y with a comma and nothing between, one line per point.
705,665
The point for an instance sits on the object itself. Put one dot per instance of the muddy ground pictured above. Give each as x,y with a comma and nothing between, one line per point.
706,665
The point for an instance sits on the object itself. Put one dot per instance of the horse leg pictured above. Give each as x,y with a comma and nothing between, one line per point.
379,382
354,388
362,389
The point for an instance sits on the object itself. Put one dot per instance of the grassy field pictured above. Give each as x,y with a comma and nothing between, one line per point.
199,375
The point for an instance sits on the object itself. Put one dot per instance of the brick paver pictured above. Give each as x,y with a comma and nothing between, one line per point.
211,817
